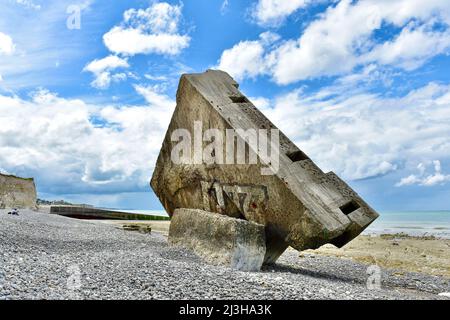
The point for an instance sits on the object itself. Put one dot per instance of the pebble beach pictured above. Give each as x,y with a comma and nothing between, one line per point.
44,256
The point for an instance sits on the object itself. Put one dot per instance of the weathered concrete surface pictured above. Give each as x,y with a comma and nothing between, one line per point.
299,205
80,212
16,192
219,239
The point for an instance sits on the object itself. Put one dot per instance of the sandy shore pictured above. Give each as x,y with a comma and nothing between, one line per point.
160,226
405,253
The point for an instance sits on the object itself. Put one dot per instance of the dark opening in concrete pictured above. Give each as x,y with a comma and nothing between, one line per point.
238,99
297,156
349,207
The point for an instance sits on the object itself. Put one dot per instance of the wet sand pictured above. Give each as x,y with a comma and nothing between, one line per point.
405,253
160,226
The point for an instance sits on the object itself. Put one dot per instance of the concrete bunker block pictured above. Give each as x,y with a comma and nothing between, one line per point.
299,204
219,239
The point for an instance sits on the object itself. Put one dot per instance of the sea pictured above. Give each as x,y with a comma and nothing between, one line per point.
413,223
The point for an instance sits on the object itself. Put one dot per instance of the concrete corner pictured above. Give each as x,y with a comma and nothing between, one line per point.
219,239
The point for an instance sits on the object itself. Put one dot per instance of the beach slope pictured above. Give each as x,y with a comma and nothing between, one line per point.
45,256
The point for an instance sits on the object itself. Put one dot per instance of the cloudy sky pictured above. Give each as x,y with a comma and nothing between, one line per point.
363,87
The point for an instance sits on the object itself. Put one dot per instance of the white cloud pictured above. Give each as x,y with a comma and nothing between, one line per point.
102,80
273,12
327,45
151,95
361,135
423,179
260,102
153,30
405,52
102,68
344,37
155,78
134,41
7,46
109,63
246,59
74,147
224,7
29,4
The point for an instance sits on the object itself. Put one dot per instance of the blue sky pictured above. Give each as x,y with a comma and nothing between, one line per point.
361,86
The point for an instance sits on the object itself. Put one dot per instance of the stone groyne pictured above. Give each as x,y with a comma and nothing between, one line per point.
85,212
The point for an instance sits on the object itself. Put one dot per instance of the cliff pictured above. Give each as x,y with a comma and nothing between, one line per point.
16,192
